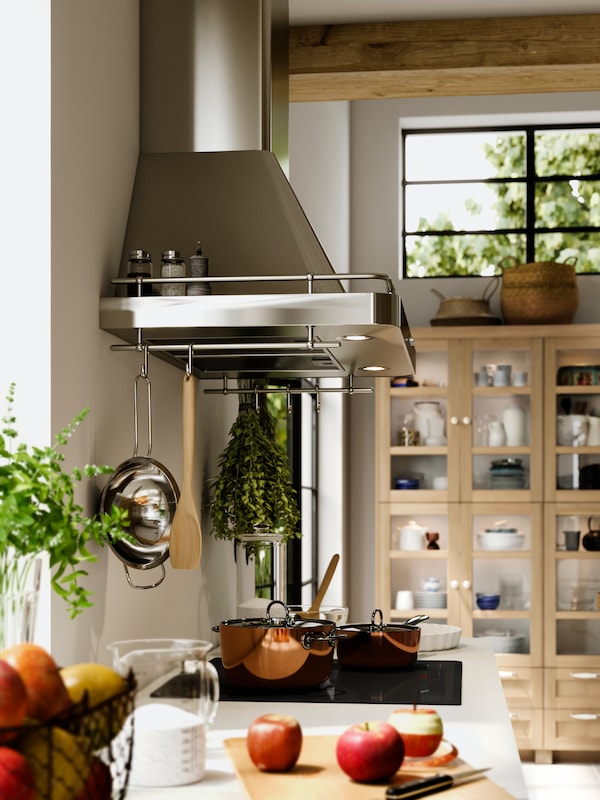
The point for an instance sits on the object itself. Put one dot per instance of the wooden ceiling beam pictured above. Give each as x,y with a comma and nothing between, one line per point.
434,58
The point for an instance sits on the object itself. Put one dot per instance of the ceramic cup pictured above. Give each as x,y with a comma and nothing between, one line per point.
520,378
593,437
572,540
502,375
440,482
405,600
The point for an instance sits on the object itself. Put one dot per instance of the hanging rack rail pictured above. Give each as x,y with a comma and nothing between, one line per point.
309,278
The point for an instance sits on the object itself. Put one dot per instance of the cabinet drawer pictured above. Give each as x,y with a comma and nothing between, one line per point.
572,730
528,727
522,686
573,689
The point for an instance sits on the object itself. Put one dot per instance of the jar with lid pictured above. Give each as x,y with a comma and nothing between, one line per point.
260,568
198,269
139,266
172,265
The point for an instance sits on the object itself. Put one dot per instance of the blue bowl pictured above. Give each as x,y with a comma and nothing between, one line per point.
488,602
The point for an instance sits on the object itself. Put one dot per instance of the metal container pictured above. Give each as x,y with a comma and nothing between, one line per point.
286,652
377,645
149,493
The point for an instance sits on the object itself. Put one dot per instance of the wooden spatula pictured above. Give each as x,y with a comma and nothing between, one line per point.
185,539
316,603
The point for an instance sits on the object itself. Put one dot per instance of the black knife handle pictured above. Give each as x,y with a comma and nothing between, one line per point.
420,787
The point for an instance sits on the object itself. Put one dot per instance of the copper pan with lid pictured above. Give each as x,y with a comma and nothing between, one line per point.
278,652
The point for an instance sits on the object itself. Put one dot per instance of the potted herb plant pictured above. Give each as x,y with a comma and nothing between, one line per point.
39,514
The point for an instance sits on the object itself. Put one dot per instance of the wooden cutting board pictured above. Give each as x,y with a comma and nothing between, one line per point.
317,776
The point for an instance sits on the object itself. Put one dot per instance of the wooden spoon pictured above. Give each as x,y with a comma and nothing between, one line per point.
185,539
316,603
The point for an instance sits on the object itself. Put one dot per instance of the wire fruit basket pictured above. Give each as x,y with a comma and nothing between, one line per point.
86,753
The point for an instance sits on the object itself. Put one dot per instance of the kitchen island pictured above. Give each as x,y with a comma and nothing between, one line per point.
480,728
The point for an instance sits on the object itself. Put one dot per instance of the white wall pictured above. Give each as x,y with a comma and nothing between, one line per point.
68,157
94,154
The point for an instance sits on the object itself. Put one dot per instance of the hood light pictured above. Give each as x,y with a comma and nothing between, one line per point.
373,368
356,337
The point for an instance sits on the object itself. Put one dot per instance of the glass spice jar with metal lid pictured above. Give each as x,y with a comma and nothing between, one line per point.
139,265
172,265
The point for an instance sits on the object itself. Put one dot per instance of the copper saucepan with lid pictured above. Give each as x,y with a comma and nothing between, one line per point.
279,652
380,645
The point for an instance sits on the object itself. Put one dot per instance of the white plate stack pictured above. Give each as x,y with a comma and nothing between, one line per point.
431,600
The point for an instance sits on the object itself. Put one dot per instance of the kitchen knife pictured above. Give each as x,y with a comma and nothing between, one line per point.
437,783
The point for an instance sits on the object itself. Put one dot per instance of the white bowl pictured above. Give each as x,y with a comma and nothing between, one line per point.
438,637
337,614
489,540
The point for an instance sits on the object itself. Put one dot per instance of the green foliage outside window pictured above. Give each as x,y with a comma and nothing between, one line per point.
566,197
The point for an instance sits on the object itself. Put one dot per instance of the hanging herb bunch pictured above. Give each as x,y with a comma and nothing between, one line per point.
253,488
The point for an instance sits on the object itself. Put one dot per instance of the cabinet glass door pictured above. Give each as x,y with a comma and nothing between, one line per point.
501,419
573,418
422,547
506,596
573,586
420,460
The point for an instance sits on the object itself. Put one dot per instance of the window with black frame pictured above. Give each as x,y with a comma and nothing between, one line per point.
296,421
472,198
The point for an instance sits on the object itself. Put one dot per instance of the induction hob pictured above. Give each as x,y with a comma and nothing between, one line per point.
423,683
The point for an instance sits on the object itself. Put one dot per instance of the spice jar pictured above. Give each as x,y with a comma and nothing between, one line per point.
172,265
139,266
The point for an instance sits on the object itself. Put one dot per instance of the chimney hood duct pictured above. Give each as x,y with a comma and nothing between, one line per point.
277,307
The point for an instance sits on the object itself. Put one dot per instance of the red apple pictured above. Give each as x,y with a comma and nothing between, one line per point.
13,699
421,730
98,784
17,780
274,742
370,751
47,695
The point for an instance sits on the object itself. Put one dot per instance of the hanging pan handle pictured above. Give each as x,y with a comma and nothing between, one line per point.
142,377
148,585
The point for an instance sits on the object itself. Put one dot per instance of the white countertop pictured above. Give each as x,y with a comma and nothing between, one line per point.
480,728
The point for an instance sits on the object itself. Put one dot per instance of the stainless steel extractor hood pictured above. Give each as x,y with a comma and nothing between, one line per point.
277,307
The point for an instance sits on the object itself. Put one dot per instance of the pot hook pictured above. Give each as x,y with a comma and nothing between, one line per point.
143,376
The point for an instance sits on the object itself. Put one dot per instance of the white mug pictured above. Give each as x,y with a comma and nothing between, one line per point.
593,437
520,378
405,600
502,375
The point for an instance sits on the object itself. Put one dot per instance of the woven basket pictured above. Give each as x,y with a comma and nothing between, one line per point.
539,293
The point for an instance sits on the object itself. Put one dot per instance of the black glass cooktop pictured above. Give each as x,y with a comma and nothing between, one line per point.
425,682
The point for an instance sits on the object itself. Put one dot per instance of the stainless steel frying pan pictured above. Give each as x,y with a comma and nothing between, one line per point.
149,493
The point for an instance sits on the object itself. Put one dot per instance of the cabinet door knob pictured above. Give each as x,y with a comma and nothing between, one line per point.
466,584
453,420
466,420
454,584
584,716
